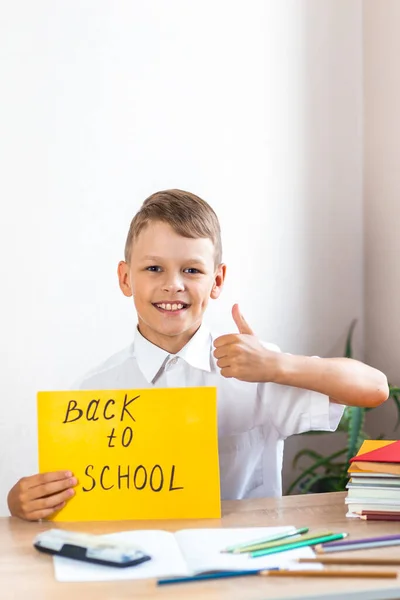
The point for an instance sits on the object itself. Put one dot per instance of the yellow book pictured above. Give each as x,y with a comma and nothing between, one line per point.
371,458
374,467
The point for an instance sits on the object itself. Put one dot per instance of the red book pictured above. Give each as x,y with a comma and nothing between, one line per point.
388,453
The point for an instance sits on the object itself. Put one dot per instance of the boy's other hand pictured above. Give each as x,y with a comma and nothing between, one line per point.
39,496
241,355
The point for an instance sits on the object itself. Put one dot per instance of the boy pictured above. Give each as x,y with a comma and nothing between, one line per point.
172,266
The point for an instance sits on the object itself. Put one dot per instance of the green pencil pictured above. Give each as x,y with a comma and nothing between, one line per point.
299,544
238,548
277,544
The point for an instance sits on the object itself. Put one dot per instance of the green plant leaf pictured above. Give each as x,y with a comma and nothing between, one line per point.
337,468
324,474
317,464
348,350
308,485
396,400
356,434
329,483
343,423
393,390
305,452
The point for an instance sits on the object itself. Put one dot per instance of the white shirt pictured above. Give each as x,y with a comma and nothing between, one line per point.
253,418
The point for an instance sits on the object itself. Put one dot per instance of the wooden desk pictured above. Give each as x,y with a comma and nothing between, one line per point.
25,574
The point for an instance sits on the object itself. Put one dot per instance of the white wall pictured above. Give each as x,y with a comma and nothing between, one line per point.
254,105
330,195
382,196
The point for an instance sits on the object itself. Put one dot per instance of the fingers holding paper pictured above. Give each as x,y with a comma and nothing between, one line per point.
241,355
39,496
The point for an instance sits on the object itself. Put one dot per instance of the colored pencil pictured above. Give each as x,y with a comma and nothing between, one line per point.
206,576
238,548
331,573
266,545
361,544
379,512
385,517
276,572
343,560
298,544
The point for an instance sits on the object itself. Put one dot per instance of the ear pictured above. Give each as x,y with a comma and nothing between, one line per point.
123,278
219,279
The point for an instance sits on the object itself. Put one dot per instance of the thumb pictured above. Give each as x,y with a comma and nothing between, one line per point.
240,321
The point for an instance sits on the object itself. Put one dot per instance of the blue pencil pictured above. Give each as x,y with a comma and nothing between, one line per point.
216,575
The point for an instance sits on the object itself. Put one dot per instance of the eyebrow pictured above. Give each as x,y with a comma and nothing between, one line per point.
193,259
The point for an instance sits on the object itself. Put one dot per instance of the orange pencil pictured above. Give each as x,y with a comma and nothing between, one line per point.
351,560
331,573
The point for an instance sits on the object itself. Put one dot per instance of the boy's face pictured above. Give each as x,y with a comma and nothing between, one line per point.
171,279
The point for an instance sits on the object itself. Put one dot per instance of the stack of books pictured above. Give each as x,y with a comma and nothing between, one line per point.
374,484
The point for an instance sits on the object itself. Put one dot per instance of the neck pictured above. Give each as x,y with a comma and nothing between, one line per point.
171,344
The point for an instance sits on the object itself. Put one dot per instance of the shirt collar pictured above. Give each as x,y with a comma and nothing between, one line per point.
197,352
151,358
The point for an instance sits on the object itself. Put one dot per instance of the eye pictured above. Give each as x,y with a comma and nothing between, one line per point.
191,271
154,269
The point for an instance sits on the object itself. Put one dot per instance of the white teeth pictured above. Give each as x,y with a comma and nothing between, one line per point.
169,306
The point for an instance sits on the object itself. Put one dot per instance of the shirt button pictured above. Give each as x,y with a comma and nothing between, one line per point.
173,361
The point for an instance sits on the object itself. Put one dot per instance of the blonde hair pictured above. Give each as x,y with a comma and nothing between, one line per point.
187,214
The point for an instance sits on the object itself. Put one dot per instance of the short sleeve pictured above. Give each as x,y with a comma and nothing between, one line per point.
293,410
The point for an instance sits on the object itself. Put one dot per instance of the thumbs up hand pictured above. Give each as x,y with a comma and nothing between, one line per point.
241,355
240,321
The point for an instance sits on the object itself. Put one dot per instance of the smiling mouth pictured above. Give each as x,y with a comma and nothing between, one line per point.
171,306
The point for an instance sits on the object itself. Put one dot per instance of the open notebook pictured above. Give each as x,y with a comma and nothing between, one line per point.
185,552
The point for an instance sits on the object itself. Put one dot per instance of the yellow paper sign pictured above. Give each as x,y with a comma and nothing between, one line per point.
137,454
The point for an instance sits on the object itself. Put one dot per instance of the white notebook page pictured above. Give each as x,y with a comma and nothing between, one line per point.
183,553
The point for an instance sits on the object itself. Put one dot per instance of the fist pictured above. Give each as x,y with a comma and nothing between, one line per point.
241,355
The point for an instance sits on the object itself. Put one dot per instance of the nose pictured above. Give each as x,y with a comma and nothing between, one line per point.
173,283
